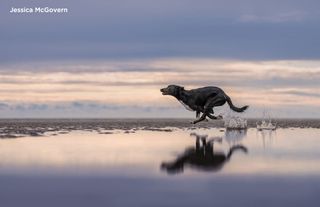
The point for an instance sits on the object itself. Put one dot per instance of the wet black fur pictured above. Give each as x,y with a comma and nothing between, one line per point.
201,100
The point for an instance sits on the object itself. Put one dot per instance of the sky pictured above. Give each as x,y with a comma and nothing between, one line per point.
108,59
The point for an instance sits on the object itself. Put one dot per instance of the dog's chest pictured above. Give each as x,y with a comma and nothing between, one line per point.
192,101
190,105
186,106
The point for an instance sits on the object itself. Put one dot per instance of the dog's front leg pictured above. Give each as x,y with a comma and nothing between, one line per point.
207,109
198,115
203,117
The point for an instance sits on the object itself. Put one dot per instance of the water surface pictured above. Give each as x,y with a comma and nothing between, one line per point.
146,165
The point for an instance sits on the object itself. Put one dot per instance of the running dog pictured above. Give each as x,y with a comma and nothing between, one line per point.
201,100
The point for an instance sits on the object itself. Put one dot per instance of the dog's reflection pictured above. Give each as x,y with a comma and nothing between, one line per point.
202,156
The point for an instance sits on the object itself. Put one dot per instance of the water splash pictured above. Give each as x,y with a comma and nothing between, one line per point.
235,122
266,122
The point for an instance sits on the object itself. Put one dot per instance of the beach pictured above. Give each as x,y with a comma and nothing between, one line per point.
159,103
159,162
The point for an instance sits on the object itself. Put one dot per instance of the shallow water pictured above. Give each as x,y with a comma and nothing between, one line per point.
162,167
287,152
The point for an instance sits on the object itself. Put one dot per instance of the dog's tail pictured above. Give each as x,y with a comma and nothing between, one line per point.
233,107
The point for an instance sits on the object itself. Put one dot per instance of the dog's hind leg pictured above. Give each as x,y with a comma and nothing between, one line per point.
214,117
198,115
212,102
208,108
211,116
204,115
210,113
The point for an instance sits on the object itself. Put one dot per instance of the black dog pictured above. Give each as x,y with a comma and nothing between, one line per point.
201,100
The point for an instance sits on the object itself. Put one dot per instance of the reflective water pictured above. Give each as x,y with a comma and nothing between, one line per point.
195,167
292,151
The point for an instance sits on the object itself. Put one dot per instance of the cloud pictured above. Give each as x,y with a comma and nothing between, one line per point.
257,83
260,52
284,17
88,109
84,109
301,93
141,29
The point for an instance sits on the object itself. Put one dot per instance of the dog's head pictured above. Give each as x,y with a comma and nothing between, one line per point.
172,90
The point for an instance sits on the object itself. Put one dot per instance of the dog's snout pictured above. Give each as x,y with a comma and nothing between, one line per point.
162,89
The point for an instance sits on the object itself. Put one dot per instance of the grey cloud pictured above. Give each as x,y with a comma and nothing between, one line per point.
101,110
291,16
4,106
141,29
27,107
47,91
81,66
218,76
301,93
85,109
296,41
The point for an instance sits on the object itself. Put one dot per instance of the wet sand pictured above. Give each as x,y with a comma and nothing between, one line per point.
14,128
88,163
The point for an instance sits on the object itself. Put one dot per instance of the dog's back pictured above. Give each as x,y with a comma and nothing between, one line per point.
201,95
207,91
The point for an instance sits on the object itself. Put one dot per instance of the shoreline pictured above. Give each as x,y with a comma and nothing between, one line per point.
17,128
